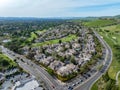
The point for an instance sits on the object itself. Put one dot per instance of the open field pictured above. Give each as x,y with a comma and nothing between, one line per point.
99,23
112,28
65,39
111,34
33,35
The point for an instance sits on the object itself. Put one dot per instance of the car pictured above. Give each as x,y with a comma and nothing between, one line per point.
53,86
74,85
93,71
85,76
70,88
88,75
81,80
77,83
13,54
102,70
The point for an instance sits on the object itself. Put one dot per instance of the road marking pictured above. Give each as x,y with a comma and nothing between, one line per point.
44,76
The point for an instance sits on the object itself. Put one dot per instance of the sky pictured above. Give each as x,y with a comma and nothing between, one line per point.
59,8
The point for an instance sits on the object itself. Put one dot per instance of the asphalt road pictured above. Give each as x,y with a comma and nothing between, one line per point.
87,85
35,70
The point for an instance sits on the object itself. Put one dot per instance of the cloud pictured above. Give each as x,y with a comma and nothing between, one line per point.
54,8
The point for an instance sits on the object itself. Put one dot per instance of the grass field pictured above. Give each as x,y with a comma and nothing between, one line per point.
99,23
112,28
33,35
6,63
111,34
65,39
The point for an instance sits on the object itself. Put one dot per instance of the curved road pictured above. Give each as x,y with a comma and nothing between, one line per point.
108,59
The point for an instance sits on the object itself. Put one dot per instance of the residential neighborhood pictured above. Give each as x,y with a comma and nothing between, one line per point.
66,56
59,44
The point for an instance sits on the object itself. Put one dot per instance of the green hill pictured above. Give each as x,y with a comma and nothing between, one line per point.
100,23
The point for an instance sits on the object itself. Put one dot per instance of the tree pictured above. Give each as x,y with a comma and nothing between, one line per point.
50,71
70,45
5,63
60,41
72,59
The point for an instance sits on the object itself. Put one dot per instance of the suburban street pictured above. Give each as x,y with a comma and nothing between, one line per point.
87,85
35,70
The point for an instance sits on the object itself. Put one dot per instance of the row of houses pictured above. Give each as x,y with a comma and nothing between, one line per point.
58,32
81,56
65,57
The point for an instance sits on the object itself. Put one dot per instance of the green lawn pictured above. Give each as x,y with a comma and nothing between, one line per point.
112,28
6,63
33,35
65,39
95,86
99,23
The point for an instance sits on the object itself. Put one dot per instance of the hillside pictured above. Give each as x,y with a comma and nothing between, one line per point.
100,23
111,34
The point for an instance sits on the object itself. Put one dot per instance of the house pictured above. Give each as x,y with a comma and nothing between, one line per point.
58,48
76,45
25,50
61,54
49,50
56,65
68,69
47,61
67,45
70,52
39,57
